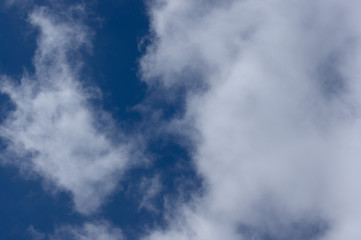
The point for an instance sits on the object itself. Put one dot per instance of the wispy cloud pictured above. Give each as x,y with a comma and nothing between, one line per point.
279,115
54,130
149,189
100,230
90,231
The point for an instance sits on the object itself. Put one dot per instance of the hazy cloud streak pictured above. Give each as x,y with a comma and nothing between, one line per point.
90,231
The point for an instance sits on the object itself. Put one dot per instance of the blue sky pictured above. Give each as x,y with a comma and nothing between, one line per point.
180,120
118,39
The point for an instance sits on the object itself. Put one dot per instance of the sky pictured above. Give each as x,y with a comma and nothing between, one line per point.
180,120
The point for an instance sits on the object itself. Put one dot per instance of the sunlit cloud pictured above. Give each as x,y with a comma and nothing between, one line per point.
54,130
276,120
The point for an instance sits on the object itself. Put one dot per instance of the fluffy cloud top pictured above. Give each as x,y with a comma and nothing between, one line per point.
278,118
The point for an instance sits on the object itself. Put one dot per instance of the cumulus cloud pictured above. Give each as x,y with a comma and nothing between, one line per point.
277,119
54,130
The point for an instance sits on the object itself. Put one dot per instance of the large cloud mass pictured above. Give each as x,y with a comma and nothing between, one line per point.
278,115
53,129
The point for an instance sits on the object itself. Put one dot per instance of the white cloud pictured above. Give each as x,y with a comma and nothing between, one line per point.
149,189
35,234
90,231
279,122
54,130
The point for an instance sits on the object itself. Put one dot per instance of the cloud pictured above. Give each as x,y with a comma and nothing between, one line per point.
150,189
90,231
54,130
100,230
277,118
35,235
